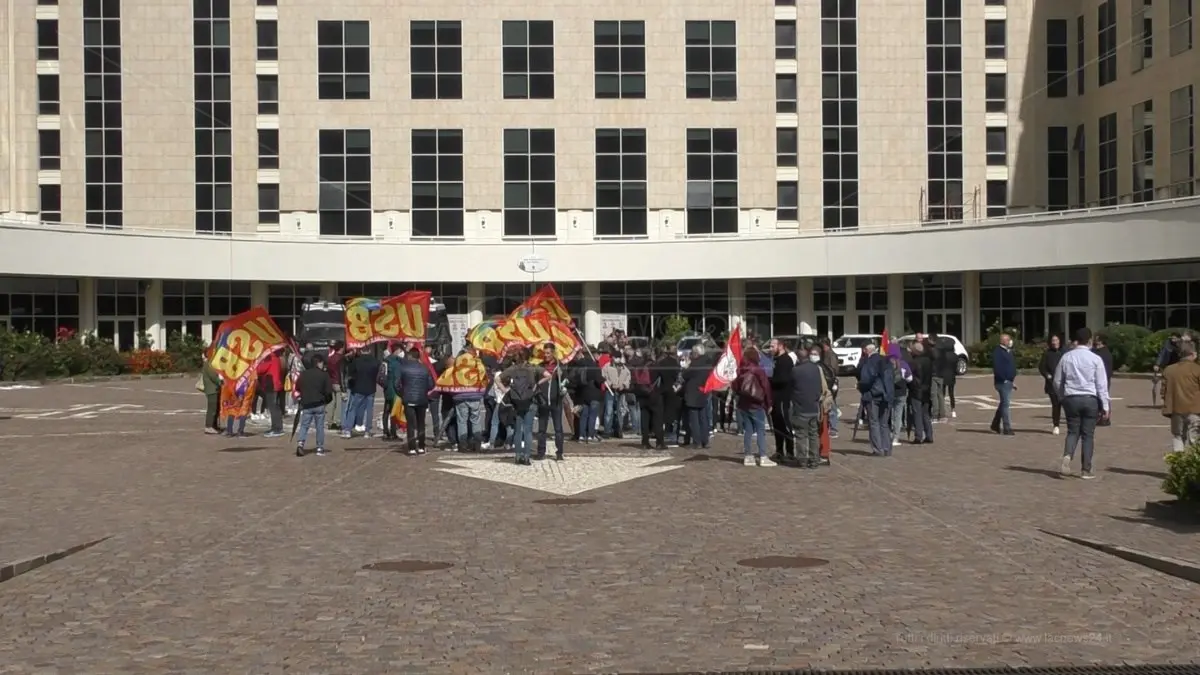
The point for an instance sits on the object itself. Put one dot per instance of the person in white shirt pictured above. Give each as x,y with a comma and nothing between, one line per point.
1082,385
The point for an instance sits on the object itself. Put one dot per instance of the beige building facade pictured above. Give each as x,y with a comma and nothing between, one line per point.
300,145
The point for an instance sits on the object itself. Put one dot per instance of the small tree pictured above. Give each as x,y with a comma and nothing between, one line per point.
1183,474
674,327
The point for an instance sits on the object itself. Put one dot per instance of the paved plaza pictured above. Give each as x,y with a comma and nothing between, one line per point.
231,555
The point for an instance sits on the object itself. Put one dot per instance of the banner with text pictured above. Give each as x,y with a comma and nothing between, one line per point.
403,317
494,336
244,340
545,302
467,374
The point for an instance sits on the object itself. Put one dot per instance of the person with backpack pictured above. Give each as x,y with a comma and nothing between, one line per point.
521,381
413,384
647,388
753,391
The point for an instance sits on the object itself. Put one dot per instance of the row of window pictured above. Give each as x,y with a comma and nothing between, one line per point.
213,114
1179,17
527,59
102,110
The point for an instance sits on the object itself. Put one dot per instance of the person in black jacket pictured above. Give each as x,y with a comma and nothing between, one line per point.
920,393
587,382
414,384
647,388
945,366
695,400
316,391
1100,348
667,373
781,398
1046,366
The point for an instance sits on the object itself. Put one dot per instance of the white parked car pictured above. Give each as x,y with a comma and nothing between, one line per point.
960,350
848,349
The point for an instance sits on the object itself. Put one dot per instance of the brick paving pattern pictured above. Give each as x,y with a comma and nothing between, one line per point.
233,556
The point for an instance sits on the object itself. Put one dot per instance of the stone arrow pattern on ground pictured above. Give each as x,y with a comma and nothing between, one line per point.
576,475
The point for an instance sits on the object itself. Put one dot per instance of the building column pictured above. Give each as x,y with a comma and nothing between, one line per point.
592,329
970,308
851,307
87,306
1095,311
259,294
807,311
154,314
475,302
737,304
329,292
895,311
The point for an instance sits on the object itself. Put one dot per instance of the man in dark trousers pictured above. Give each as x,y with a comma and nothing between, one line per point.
781,395
1099,348
364,380
413,384
316,391
667,370
695,400
647,388
1004,373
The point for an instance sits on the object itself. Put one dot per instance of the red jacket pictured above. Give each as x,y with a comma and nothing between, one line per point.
601,361
271,368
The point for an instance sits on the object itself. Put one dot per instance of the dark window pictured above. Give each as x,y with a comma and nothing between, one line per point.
50,203
1141,24
1180,18
49,149
343,60
530,205
1058,168
995,38
1106,42
1080,55
787,146
48,94
528,59
839,115
437,183
47,39
997,198
436,54
102,113
1081,174
268,203
621,173
1056,58
1183,142
620,59
787,201
785,39
268,94
1143,151
268,148
214,115
785,93
997,146
344,172
268,40
1108,160
711,60
712,181
944,111
996,92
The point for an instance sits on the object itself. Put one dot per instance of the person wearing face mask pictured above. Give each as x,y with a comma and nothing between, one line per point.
616,376
1004,374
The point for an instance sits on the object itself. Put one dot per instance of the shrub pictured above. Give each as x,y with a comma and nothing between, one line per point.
1145,355
25,355
674,327
187,351
1124,341
103,357
1183,474
148,361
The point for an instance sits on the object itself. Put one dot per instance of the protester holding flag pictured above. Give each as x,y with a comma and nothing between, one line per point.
237,398
210,384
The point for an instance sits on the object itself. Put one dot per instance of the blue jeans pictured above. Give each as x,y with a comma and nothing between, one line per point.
898,406
469,416
878,418
1003,416
312,417
360,410
606,418
753,422
698,426
522,433
587,420
494,431
241,425
435,411
546,415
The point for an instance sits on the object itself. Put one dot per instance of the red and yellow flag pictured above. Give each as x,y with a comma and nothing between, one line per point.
402,317
545,301
243,340
467,374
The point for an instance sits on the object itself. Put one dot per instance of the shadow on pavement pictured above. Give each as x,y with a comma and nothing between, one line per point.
248,448
1049,473
849,451
1170,526
719,458
1136,472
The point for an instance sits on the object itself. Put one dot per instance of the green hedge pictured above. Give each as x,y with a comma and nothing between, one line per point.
1134,348
33,356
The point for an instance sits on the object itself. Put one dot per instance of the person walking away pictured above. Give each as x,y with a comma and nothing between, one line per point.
937,384
829,360
413,384
270,384
211,383
1082,387
901,378
468,414
920,394
616,376
752,388
1181,398
364,380
647,388
876,385
391,388
1004,374
549,401
1101,349
695,401
521,381
668,371
1046,368
316,392
781,395
334,366
810,396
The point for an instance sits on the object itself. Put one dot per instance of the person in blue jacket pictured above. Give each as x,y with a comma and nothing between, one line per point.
1004,374
876,383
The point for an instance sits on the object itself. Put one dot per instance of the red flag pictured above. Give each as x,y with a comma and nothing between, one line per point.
726,369
884,341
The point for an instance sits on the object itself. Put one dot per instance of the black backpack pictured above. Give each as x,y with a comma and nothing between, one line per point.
521,391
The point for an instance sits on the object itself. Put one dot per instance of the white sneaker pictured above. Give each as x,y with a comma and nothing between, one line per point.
1064,468
360,429
1055,432
485,445
896,443
953,414
766,461
748,460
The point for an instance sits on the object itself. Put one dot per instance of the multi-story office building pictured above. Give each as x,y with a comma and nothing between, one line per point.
821,165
